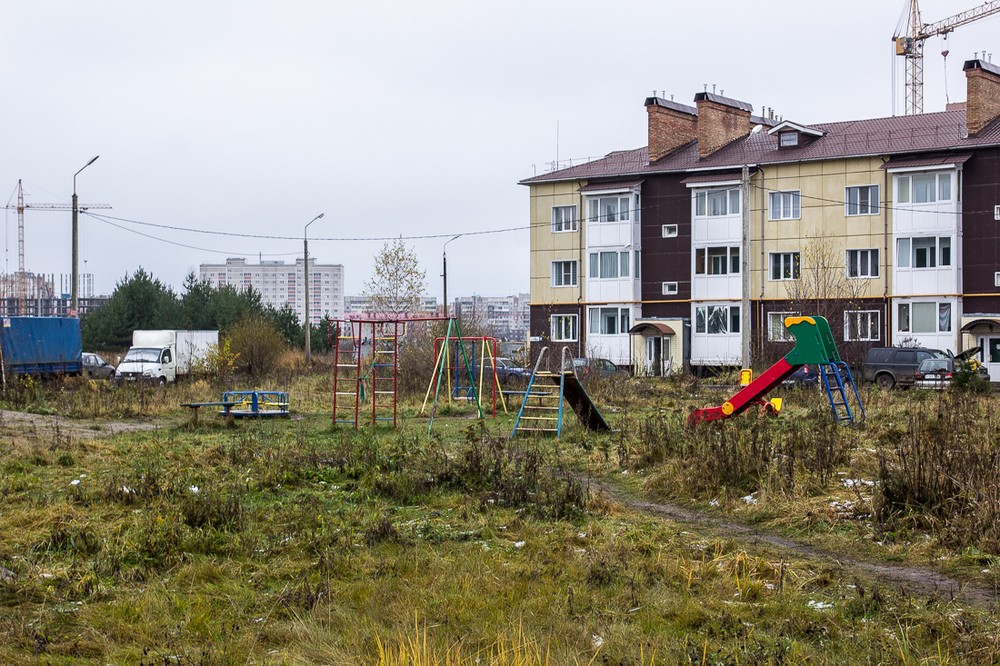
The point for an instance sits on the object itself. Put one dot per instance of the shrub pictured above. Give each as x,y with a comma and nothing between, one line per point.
256,344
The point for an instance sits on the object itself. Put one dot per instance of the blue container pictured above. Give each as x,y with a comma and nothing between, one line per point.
41,346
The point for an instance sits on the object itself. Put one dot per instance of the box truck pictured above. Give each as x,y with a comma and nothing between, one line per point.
40,346
163,356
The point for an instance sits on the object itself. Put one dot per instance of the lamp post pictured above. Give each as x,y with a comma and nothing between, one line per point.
305,273
74,295
444,272
745,258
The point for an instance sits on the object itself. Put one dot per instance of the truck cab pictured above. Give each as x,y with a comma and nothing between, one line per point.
147,364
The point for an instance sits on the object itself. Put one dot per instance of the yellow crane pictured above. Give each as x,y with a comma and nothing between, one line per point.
909,41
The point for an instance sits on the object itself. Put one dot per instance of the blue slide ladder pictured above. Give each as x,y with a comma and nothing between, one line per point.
542,411
841,389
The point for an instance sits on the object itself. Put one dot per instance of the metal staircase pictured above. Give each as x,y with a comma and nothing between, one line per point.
842,391
542,410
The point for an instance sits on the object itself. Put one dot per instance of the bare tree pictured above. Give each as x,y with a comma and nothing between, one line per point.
397,283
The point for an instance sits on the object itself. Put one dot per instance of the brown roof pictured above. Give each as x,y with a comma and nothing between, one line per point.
896,135
927,160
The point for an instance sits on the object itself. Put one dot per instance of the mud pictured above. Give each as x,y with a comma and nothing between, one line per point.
921,581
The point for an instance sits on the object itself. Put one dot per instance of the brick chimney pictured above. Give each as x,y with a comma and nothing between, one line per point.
982,80
671,125
720,121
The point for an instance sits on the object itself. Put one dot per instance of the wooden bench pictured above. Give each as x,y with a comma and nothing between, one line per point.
227,408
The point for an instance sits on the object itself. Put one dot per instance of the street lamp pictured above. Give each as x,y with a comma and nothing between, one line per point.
444,271
74,296
745,251
305,273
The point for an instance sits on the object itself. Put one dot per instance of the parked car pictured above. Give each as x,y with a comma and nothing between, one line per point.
509,373
804,377
895,366
96,367
597,367
936,373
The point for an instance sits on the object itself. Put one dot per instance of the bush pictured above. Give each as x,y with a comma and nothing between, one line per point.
255,345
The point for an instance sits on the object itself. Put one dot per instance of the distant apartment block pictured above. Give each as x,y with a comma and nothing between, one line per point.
281,284
504,317
358,307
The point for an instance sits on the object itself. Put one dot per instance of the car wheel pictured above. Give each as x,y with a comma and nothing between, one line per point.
163,381
885,381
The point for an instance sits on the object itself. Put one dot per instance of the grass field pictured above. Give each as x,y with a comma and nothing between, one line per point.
128,536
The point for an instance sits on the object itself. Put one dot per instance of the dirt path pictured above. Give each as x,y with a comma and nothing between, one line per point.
47,427
913,579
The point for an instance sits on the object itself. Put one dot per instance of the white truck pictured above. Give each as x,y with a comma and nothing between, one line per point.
161,356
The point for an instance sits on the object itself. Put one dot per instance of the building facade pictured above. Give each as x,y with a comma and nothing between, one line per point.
280,284
887,226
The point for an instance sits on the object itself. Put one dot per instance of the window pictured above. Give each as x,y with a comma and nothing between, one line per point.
996,279
862,200
609,321
717,260
614,208
776,331
923,188
923,252
788,139
717,319
670,288
669,230
924,317
563,273
862,325
563,218
862,263
563,328
715,203
784,205
784,265
609,264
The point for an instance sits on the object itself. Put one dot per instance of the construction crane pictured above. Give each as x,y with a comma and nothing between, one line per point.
910,45
21,281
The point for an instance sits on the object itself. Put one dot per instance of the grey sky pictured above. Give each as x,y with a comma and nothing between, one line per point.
391,117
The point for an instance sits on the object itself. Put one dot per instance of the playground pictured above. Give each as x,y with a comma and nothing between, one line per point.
308,541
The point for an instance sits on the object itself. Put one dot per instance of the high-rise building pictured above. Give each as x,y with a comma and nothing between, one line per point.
281,284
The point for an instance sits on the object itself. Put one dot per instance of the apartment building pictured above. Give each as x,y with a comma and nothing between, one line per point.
504,317
281,284
890,227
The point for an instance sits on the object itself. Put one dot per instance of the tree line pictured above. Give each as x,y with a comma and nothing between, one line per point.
141,302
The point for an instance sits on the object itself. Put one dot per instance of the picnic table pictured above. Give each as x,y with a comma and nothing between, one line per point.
226,405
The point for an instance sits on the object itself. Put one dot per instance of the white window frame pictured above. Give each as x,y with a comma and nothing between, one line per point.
671,288
730,260
906,192
719,202
600,316
905,317
788,139
596,215
853,200
559,222
939,256
856,266
724,318
996,279
786,205
776,331
559,275
620,265
873,325
789,260
670,231
558,328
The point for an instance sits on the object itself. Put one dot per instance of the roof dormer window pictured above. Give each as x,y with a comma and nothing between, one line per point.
788,139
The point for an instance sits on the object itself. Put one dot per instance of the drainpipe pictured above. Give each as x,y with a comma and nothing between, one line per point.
886,251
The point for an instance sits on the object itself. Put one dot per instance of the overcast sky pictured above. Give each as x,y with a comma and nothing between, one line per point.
392,118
